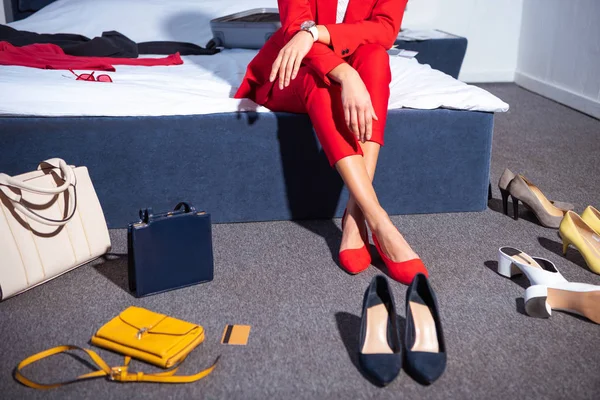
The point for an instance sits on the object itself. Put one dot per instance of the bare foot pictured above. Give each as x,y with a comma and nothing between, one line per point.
351,234
393,244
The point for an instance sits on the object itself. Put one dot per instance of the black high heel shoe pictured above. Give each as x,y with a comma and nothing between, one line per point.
380,354
424,345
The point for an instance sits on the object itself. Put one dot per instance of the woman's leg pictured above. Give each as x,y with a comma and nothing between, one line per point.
323,103
354,172
309,94
373,65
354,226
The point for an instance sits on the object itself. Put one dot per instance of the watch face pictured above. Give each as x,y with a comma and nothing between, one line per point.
307,25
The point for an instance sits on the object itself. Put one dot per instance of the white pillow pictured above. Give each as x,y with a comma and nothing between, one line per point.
140,20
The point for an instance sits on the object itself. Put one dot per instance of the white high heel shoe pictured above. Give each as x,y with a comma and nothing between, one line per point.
577,298
549,290
539,271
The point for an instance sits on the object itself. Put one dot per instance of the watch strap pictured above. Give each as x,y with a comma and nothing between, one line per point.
314,32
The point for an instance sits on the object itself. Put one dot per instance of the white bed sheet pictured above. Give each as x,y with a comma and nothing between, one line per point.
202,85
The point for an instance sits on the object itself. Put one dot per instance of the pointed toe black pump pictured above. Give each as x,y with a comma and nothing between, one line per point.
380,354
424,346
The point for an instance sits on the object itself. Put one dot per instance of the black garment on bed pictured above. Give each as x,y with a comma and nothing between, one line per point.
110,44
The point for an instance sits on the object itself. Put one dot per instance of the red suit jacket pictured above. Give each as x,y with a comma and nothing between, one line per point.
366,21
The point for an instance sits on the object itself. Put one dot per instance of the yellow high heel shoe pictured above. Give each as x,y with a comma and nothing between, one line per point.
574,230
591,216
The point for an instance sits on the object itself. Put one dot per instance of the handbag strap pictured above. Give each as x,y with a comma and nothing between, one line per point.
119,374
67,175
69,185
44,220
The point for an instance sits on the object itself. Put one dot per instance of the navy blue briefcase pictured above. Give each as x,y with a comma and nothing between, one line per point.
169,251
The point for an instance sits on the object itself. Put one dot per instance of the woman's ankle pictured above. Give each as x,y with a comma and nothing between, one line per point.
379,221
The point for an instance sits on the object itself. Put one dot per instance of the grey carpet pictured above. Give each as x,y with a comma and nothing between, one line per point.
281,278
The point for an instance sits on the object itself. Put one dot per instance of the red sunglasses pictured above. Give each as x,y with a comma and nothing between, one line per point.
91,77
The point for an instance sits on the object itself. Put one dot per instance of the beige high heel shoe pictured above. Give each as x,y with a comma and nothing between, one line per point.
508,176
532,197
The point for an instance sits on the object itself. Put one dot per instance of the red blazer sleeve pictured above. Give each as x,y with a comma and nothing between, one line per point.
320,58
381,28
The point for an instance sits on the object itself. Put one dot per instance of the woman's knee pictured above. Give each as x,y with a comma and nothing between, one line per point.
373,53
373,63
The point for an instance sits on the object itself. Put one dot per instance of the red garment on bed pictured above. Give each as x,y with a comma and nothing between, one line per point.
50,56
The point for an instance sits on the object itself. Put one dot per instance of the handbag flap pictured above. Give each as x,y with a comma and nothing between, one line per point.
172,326
155,323
140,318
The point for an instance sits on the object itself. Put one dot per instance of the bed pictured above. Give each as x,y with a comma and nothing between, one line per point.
159,135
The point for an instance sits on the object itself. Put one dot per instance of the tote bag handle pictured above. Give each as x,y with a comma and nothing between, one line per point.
7,181
67,175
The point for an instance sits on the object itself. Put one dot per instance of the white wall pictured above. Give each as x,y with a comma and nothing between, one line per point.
492,28
559,52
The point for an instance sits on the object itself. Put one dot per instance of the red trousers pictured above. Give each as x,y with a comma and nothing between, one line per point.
323,103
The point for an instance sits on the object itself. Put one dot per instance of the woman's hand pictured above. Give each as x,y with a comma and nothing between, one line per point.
358,109
290,58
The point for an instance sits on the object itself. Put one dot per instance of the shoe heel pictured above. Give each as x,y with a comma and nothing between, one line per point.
515,208
506,267
536,304
566,244
504,194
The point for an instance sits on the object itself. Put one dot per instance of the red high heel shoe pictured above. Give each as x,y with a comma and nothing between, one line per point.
355,261
404,271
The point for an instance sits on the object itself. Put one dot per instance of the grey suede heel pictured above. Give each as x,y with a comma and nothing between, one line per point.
547,213
503,183
507,177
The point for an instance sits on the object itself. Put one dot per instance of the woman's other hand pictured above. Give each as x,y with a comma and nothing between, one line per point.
358,109
290,58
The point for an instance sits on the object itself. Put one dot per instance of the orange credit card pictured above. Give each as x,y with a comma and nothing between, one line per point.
236,334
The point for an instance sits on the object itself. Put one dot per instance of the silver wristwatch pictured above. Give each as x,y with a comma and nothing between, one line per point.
310,27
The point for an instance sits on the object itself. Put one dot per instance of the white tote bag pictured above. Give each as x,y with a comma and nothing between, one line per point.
50,222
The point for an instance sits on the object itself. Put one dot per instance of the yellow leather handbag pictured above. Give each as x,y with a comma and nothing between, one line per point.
139,333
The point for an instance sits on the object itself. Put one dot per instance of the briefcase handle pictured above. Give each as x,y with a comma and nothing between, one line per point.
146,214
187,207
